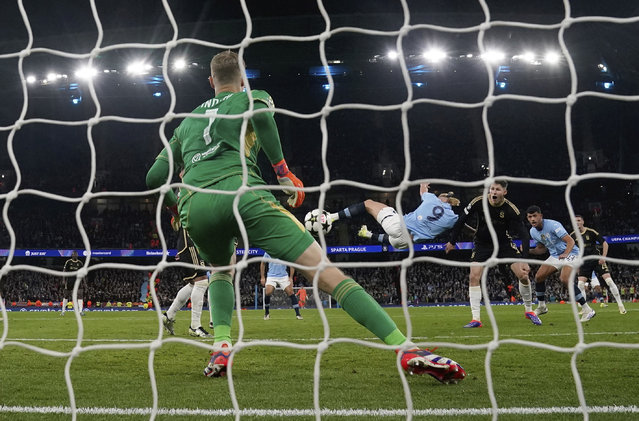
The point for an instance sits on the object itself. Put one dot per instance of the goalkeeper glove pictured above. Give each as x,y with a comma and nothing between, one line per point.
287,178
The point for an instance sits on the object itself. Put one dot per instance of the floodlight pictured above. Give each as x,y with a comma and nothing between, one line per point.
51,77
86,72
31,79
392,55
493,56
552,57
138,68
179,64
435,55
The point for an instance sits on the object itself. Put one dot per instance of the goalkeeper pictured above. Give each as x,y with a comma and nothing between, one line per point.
211,151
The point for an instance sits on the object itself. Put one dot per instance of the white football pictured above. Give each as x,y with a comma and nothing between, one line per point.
316,221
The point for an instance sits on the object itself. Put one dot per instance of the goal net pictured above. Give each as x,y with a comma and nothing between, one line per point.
372,99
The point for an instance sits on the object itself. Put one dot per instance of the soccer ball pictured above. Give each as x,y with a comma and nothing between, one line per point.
316,221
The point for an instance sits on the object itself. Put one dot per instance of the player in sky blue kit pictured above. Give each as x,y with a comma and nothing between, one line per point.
278,275
433,216
551,236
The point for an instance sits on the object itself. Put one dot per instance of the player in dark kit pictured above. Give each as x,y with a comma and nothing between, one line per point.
71,265
197,282
507,221
592,240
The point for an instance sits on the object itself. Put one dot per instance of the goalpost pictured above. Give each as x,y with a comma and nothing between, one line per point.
573,96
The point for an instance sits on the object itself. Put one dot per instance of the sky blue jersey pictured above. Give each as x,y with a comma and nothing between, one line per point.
276,270
551,236
430,219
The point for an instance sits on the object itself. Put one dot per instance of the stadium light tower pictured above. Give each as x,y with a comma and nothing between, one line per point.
392,55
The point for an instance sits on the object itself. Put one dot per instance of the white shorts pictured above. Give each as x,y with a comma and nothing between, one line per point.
558,264
278,282
391,222
594,282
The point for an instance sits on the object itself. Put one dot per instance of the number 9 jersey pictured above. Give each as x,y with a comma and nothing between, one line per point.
430,219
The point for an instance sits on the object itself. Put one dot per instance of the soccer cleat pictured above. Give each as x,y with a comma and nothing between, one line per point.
421,361
622,309
298,317
62,313
587,316
533,318
364,232
82,313
267,317
168,323
541,310
199,332
218,363
474,323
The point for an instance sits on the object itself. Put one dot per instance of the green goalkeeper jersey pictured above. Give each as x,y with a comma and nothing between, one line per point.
209,148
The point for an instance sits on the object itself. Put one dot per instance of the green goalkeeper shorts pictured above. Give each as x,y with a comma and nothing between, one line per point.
211,224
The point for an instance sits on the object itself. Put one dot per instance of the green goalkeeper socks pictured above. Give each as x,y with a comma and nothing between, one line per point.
221,302
367,312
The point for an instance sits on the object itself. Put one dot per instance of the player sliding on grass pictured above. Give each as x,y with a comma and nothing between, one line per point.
433,216
210,150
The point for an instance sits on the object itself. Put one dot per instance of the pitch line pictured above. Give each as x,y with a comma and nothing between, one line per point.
324,412
248,340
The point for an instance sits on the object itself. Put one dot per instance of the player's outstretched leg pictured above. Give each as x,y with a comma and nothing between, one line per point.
422,361
530,315
219,361
168,323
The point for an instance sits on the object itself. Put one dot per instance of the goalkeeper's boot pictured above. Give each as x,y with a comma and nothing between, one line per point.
299,317
622,309
474,323
588,315
421,361
168,323
533,318
199,332
364,232
541,310
219,362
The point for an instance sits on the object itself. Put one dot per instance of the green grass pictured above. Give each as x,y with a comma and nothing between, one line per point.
352,376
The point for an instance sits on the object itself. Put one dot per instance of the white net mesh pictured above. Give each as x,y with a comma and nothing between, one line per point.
401,34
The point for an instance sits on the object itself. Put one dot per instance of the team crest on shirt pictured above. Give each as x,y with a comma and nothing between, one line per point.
587,237
502,215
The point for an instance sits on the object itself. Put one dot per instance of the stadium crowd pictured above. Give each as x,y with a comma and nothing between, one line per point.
427,283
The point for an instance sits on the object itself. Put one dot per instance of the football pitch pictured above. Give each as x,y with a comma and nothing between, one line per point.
356,382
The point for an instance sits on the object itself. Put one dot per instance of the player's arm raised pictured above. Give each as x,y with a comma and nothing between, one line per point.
159,172
266,130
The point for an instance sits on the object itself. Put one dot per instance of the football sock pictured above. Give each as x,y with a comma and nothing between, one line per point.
64,304
367,312
197,301
350,212
180,299
540,292
80,305
474,293
579,297
267,304
526,295
612,287
380,238
582,287
222,301
295,303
